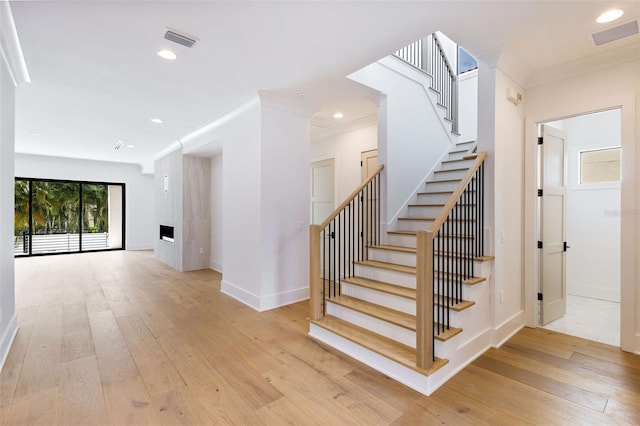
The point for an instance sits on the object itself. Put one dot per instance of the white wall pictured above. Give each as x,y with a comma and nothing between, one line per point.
593,212
139,205
265,203
614,86
217,229
345,144
500,133
412,137
285,205
8,323
468,106
241,204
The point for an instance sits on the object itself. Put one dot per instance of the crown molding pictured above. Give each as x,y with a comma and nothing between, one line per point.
349,126
600,61
10,48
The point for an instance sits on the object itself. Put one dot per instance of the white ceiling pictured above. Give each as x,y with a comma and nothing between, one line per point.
96,78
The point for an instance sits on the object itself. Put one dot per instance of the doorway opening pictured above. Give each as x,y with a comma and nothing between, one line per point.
584,282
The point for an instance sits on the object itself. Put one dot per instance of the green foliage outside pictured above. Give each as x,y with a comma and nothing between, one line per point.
56,207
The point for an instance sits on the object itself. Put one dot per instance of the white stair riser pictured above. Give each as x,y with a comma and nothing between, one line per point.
409,259
433,186
433,198
457,165
385,275
449,174
414,225
398,303
410,240
424,211
467,211
391,256
392,331
402,240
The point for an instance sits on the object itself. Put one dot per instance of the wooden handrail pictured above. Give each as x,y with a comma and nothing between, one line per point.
453,200
349,198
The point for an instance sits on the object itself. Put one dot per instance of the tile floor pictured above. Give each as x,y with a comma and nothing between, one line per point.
591,319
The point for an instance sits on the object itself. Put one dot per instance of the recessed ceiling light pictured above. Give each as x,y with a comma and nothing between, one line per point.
301,95
131,146
609,15
156,120
338,115
33,133
166,54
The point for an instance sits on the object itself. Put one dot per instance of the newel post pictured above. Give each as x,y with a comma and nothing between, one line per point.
315,285
424,299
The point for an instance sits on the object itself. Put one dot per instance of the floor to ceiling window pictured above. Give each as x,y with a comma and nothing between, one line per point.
54,216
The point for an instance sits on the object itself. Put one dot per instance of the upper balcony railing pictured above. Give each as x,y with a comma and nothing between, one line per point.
428,55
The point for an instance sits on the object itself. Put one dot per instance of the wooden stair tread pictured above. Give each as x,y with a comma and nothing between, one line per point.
443,180
467,281
413,233
396,290
457,160
383,313
458,307
447,334
452,170
427,205
394,248
412,250
433,218
388,266
395,351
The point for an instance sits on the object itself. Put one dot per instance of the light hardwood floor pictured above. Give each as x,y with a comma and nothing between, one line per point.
118,338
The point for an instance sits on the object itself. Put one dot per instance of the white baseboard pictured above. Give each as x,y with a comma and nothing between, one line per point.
609,294
461,358
8,337
508,329
240,294
145,246
264,303
216,266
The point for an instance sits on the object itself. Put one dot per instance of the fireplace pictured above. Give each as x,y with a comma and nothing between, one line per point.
166,233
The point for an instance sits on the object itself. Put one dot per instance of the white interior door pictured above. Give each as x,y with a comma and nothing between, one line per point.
553,178
322,190
369,163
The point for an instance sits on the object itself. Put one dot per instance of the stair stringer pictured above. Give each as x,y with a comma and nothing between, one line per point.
392,223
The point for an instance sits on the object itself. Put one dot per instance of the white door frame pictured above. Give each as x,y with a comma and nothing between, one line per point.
628,340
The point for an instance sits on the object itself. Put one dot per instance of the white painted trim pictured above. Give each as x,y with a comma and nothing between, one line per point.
264,303
139,247
392,223
216,266
506,330
284,298
270,100
384,365
585,65
628,250
464,355
401,68
339,129
10,46
240,294
7,339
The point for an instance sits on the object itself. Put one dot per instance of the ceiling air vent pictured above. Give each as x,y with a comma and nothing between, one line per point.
615,33
119,145
179,38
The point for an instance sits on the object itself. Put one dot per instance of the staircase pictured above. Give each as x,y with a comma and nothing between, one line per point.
371,305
